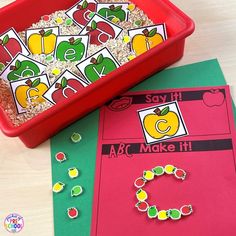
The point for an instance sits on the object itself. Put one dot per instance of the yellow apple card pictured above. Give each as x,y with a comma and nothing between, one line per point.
10,45
98,65
71,48
162,122
29,91
145,38
43,40
21,67
64,87
80,12
99,30
115,12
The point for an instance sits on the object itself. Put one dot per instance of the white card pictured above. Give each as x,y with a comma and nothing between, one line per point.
113,10
80,12
64,87
29,90
10,45
162,122
100,30
42,40
98,65
71,48
21,67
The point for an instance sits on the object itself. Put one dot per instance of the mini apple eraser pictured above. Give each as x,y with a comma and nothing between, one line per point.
72,212
58,187
76,191
60,157
73,172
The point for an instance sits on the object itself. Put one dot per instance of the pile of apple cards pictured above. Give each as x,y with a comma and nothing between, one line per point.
97,23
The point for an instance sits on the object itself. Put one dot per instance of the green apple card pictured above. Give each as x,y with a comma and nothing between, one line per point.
22,66
65,86
100,30
43,40
80,12
145,38
10,45
98,65
29,91
115,12
71,48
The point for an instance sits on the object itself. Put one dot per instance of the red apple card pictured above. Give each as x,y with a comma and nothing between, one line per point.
145,38
207,156
80,12
22,66
10,45
71,48
64,87
29,90
115,12
43,40
100,30
98,65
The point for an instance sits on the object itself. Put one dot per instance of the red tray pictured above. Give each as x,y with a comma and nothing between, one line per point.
22,13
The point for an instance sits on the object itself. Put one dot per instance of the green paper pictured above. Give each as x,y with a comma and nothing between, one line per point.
83,154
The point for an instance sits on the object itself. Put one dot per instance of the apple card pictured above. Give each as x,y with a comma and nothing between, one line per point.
71,48
43,40
10,45
100,30
98,65
162,122
64,87
21,67
80,12
145,38
29,91
115,12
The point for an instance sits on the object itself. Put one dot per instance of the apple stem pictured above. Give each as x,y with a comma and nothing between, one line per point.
29,83
93,60
72,40
112,7
157,111
80,7
1,41
145,32
89,28
58,86
42,32
13,68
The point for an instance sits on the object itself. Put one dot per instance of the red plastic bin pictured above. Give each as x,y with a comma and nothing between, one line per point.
22,13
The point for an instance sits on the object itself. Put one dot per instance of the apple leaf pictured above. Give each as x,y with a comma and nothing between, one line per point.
165,111
152,32
94,25
18,64
100,59
77,41
47,33
117,8
5,39
85,4
35,83
64,82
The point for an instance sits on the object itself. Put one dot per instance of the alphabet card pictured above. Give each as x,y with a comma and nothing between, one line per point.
171,186
145,38
115,12
100,30
64,87
162,122
71,48
10,45
29,91
98,65
43,40
80,12
22,67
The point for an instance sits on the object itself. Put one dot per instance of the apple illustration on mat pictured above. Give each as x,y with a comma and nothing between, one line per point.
42,42
99,68
31,92
145,41
72,50
213,98
81,16
23,69
113,12
9,47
